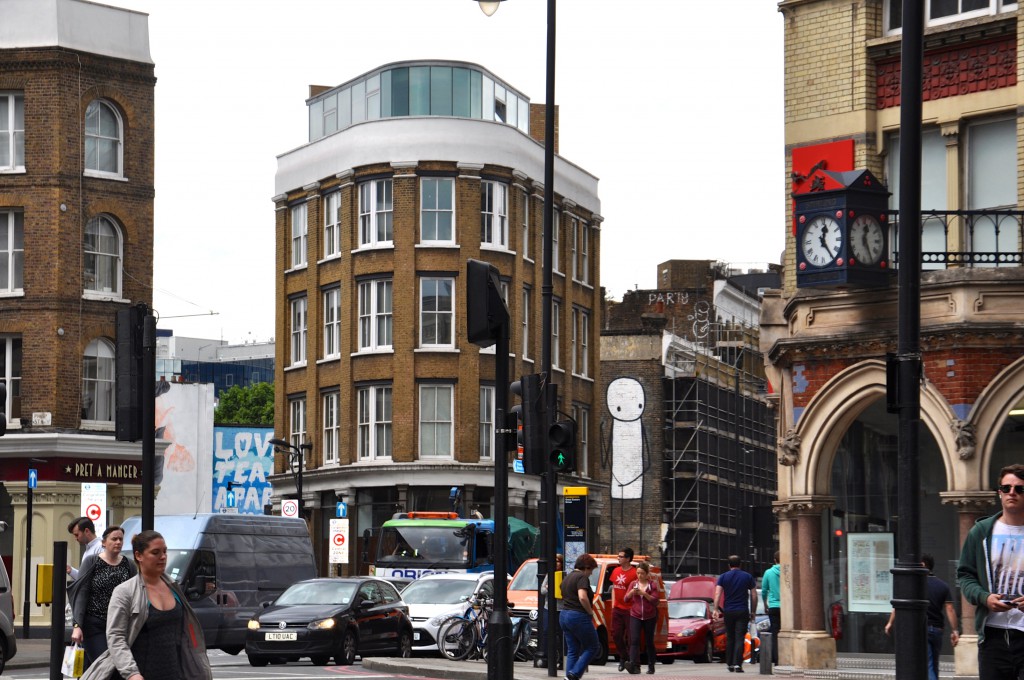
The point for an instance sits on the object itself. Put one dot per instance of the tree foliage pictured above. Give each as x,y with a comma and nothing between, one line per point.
252,405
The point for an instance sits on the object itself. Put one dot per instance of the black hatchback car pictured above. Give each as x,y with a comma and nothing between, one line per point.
331,617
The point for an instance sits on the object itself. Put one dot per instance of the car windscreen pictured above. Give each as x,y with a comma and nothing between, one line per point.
686,610
323,592
438,591
430,544
526,578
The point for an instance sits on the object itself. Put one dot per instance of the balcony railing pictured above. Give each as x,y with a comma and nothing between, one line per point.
966,238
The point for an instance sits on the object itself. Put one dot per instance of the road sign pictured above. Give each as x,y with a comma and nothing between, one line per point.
289,508
337,551
342,509
94,504
33,478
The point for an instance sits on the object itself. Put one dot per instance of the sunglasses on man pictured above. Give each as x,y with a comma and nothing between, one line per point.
1017,489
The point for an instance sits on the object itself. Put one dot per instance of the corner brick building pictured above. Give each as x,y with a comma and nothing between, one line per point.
76,246
825,348
411,170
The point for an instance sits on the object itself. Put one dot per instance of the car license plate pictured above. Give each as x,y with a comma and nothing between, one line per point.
416,636
281,636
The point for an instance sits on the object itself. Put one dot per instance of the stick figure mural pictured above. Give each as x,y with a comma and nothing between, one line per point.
628,452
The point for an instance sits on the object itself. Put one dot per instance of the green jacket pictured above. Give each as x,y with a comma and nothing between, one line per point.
972,574
770,587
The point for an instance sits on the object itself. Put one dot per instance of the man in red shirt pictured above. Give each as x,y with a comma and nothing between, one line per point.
622,578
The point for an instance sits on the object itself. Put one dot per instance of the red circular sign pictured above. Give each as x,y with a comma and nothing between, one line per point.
93,512
339,539
290,508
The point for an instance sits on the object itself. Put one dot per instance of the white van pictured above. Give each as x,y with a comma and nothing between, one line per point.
8,643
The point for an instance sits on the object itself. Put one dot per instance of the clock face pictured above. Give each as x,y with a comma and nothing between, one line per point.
866,239
822,240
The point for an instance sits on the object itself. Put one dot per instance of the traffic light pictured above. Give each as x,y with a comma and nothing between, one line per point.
563,445
128,374
3,407
486,311
531,415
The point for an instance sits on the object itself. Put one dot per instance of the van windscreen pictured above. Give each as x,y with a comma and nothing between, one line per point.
177,563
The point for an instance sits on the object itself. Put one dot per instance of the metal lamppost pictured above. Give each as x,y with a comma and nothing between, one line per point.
294,452
549,482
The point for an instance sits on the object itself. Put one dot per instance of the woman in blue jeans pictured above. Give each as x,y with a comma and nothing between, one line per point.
577,618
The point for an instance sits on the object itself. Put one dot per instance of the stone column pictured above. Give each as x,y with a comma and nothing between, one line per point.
970,506
803,641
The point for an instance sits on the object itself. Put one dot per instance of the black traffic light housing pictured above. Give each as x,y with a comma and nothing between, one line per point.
530,389
486,311
563,445
128,374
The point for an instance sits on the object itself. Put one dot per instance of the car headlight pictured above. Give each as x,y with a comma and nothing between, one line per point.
689,632
254,624
765,625
436,621
322,624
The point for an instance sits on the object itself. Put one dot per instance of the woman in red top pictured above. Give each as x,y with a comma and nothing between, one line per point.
643,615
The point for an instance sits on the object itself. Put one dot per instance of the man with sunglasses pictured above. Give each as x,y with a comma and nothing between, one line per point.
991,577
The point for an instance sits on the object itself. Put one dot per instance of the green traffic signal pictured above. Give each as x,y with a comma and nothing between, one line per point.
563,445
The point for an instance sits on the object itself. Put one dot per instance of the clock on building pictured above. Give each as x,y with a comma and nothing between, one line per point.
842,231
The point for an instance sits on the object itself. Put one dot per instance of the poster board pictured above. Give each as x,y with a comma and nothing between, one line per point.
871,557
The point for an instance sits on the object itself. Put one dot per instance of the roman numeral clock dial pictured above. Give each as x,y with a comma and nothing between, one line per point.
822,241
866,240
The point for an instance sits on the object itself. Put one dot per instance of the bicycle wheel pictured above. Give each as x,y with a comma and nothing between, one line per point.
524,644
457,639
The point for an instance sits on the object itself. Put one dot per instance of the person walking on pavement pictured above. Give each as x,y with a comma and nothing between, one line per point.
939,599
643,598
740,607
84,531
577,618
990,577
773,604
622,579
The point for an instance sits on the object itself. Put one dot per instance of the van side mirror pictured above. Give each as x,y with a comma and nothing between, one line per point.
198,587
365,604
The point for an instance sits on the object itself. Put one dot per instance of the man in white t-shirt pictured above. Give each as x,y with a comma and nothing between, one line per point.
84,531
991,577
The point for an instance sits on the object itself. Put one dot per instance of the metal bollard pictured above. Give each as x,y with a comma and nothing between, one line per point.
767,642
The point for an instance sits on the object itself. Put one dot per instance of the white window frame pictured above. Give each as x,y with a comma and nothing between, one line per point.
524,247
494,214
487,441
376,222
332,323
436,421
580,250
300,234
296,423
299,329
555,228
96,137
584,344
98,382
556,319
374,422
95,255
437,313
12,134
331,427
13,251
525,312
435,211
376,315
582,416
994,7
986,239
332,224
12,352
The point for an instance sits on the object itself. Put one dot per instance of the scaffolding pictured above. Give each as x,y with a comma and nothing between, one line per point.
720,459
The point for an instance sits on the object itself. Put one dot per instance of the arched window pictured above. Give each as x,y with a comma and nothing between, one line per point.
98,381
103,140
102,257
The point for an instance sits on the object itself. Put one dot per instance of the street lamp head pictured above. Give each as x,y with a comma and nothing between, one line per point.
489,7
280,443
306,446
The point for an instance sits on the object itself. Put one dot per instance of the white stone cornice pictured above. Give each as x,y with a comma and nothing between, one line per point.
280,198
68,444
312,186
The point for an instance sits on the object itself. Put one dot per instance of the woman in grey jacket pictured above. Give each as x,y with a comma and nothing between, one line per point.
152,632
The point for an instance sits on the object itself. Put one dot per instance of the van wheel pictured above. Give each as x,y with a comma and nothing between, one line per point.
3,656
346,656
258,660
319,660
602,656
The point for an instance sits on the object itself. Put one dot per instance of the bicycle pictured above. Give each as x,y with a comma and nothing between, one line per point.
463,637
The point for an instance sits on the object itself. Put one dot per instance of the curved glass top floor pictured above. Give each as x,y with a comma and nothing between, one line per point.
418,88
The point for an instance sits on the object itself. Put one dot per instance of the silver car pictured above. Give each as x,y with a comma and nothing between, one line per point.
436,598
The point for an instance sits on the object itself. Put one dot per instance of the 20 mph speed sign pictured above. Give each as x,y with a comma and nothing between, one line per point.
337,552
289,508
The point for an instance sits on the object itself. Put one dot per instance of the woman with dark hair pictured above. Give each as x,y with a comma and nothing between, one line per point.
643,615
90,593
152,632
577,617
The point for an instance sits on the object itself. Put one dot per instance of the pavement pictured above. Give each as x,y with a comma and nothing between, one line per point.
35,653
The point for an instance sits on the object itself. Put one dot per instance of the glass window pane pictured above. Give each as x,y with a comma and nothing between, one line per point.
460,92
316,120
524,116
5,113
943,8
444,194
385,94
475,94
419,91
358,102
992,165
400,92
440,91
487,100
512,108
344,108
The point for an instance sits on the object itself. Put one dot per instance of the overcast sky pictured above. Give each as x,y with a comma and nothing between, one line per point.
675,105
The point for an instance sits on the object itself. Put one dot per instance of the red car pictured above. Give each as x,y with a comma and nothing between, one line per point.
692,633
